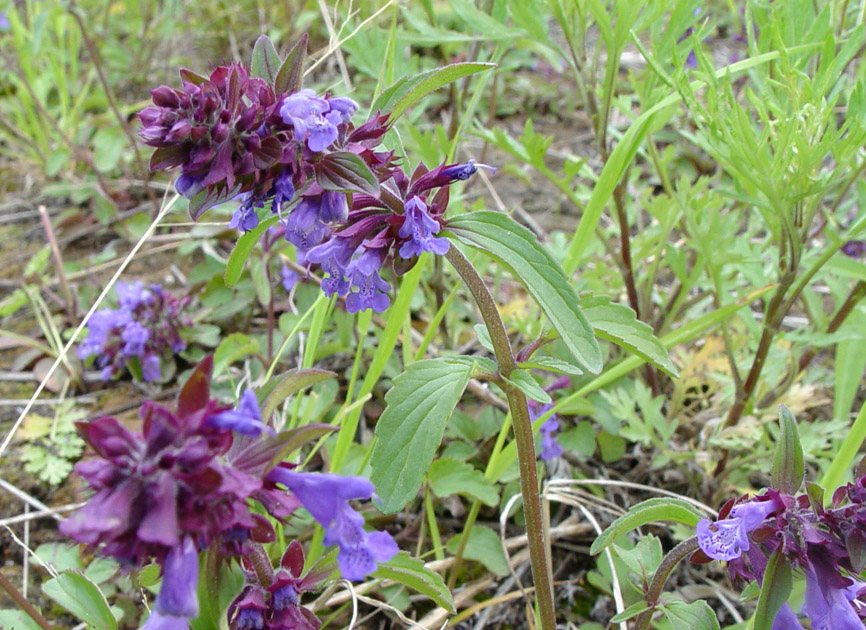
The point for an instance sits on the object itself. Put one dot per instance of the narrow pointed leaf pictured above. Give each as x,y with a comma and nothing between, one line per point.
518,249
411,572
775,590
411,428
208,198
243,249
262,455
293,381
266,61
617,323
290,78
407,91
342,171
788,467
649,511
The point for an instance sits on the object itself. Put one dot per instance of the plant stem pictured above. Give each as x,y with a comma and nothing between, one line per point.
58,262
522,425
22,602
668,563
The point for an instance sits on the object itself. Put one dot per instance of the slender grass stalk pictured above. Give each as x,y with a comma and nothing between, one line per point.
846,454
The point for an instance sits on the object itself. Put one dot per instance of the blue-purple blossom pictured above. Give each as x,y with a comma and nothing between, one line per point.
363,273
728,538
311,119
550,447
246,419
828,606
283,191
854,249
247,611
419,228
304,227
326,496
462,172
177,601
290,277
334,257
146,326
245,217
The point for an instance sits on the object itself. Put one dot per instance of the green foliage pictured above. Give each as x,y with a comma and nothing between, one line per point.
52,444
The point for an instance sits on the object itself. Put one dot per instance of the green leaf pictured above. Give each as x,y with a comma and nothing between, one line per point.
632,611
243,249
517,248
551,365
775,590
17,620
649,511
263,454
266,61
788,467
449,476
617,323
75,593
529,386
232,348
109,144
411,428
411,572
483,546
695,616
342,171
290,78
281,387
407,91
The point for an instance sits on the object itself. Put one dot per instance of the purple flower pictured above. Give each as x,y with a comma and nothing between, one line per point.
290,277
283,191
828,606
728,538
189,185
177,601
146,326
462,172
364,275
334,257
326,497
246,419
346,107
247,611
854,249
245,217
333,208
550,448
156,489
308,114
304,228
419,228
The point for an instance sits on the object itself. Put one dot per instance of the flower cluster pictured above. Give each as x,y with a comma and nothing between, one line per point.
276,606
184,484
826,545
145,326
346,206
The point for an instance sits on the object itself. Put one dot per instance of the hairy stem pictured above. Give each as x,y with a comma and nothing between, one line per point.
261,564
22,602
668,564
522,426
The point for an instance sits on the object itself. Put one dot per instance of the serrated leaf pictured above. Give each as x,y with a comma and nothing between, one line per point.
411,572
775,590
266,61
483,546
518,249
290,78
450,476
411,428
617,323
649,511
789,470
695,616
243,249
523,381
551,365
82,598
342,171
281,387
407,91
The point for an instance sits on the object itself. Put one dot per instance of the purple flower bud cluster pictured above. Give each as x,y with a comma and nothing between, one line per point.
146,325
828,546
234,136
184,483
377,233
276,606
